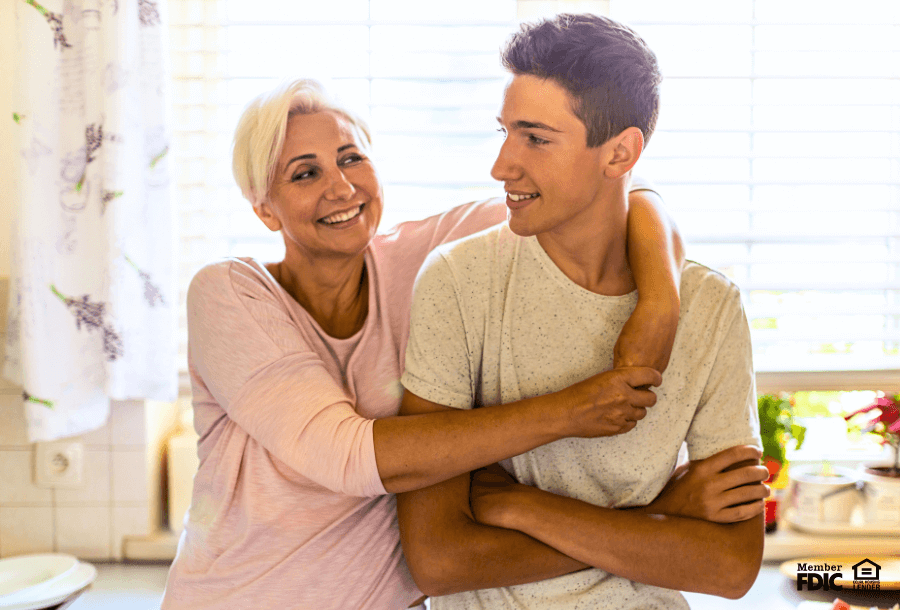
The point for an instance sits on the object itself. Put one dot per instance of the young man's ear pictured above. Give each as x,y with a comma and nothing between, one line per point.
625,150
265,213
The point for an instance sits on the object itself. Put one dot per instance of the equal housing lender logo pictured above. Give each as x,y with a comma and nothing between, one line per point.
830,577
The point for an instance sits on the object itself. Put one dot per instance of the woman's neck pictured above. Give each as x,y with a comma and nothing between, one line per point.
333,290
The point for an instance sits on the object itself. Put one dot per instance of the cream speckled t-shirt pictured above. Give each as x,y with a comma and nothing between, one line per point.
494,320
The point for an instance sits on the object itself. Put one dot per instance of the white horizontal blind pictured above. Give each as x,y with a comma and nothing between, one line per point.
426,75
778,151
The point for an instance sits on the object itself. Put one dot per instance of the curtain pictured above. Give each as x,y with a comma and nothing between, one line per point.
92,294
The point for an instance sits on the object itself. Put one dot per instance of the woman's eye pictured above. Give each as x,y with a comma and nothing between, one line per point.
351,159
305,174
502,131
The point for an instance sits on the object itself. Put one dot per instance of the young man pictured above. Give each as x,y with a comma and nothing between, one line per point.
526,309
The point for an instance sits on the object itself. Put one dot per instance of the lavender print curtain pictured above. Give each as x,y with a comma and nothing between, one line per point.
92,299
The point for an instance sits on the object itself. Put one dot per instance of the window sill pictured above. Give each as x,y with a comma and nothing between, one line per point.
773,382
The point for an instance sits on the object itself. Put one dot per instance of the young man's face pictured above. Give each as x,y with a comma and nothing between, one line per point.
551,176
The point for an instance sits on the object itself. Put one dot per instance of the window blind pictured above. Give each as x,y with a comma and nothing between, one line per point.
426,75
778,151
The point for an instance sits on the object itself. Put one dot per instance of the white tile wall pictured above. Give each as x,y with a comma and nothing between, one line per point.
128,521
25,529
126,487
84,531
97,482
17,486
99,438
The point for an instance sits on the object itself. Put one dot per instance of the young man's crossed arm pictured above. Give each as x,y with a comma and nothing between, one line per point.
523,534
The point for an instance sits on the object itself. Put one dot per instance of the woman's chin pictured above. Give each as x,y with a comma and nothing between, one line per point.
349,238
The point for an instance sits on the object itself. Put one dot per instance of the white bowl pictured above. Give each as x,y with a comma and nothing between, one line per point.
55,592
20,574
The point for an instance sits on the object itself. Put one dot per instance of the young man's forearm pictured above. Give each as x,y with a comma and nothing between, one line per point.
672,552
448,551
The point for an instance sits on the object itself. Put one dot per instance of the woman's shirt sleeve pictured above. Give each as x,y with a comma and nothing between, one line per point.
255,362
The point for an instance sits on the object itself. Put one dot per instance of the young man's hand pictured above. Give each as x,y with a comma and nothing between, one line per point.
609,403
492,493
725,488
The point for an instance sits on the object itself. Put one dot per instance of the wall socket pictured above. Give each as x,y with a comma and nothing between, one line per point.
59,464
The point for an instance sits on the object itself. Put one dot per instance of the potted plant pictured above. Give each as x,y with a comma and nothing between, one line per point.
885,424
882,481
776,428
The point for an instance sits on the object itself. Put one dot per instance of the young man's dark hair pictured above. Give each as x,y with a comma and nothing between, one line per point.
610,72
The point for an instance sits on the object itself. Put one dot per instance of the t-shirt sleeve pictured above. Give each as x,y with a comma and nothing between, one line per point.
727,414
255,362
438,363
640,183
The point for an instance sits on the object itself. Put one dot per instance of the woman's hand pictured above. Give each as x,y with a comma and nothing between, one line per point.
492,495
648,335
724,488
609,403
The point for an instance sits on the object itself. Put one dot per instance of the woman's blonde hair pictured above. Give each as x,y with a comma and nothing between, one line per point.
259,135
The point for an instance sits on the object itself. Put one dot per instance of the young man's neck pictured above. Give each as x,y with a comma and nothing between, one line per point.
591,248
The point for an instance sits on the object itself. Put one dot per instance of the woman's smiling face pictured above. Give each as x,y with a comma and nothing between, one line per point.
325,198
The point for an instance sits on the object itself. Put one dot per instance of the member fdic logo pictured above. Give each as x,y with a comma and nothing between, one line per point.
815,576
828,577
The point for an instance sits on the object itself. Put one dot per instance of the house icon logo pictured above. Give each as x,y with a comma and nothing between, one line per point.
866,570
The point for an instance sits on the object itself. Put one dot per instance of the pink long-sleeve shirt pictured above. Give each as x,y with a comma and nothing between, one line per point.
288,508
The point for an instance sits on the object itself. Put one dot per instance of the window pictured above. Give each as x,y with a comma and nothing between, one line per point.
778,150
828,437
778,146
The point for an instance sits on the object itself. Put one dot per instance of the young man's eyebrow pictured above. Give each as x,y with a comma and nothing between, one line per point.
531,125
313,155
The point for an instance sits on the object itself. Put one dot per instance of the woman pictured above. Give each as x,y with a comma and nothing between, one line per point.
295,369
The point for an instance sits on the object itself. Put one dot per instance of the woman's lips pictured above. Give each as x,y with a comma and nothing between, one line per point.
343,219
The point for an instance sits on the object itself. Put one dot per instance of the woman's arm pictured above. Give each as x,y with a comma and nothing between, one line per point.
255,363
656,256
422,448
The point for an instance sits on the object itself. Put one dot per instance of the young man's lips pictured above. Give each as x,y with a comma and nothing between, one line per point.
522,202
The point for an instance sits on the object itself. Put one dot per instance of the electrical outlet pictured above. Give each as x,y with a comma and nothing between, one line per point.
59,464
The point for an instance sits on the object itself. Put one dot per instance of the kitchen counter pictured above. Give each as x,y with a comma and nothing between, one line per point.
125,586
136,586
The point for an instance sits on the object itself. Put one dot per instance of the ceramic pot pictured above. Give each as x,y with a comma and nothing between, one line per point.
881,493
824,499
